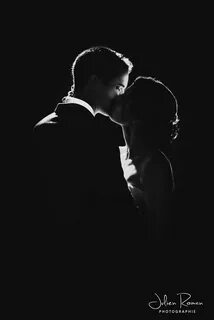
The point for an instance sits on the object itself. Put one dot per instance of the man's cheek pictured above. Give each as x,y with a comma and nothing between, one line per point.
112,94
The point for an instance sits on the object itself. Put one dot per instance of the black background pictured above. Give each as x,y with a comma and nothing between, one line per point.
166,45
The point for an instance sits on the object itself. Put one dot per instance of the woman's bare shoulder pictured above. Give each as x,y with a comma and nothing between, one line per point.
159,159
158,171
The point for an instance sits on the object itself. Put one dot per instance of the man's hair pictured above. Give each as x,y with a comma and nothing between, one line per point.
154,104
101,61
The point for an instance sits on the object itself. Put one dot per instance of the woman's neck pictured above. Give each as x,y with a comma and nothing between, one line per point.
138,150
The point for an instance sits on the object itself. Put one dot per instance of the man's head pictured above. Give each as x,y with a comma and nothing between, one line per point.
100,74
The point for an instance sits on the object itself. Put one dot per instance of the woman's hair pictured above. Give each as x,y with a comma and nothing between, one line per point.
101,61
155,108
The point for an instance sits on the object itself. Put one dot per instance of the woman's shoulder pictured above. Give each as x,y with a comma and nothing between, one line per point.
159,159
158,170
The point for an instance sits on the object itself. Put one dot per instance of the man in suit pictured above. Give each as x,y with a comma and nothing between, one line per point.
78,176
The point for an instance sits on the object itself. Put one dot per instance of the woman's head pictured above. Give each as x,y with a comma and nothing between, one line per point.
151,108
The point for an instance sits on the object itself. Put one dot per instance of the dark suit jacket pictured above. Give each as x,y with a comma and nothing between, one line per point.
78,176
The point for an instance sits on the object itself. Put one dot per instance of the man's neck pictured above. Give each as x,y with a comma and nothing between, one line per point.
81,102
87,99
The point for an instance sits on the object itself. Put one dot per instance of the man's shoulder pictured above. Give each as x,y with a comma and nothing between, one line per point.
49,119
44,129
72,108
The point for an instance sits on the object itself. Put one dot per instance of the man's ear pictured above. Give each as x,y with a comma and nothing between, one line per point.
94,78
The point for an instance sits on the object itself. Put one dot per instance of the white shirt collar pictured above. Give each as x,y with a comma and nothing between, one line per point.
80,102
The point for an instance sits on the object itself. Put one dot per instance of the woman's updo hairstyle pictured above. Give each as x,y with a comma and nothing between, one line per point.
154,107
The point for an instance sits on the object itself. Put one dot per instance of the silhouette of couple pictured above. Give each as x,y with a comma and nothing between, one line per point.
85,174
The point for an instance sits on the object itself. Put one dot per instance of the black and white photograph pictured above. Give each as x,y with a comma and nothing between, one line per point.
115,171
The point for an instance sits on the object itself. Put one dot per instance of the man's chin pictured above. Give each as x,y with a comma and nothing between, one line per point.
115,115
115,118
106,111
112,119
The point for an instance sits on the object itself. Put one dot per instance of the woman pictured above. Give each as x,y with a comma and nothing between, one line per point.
148,113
